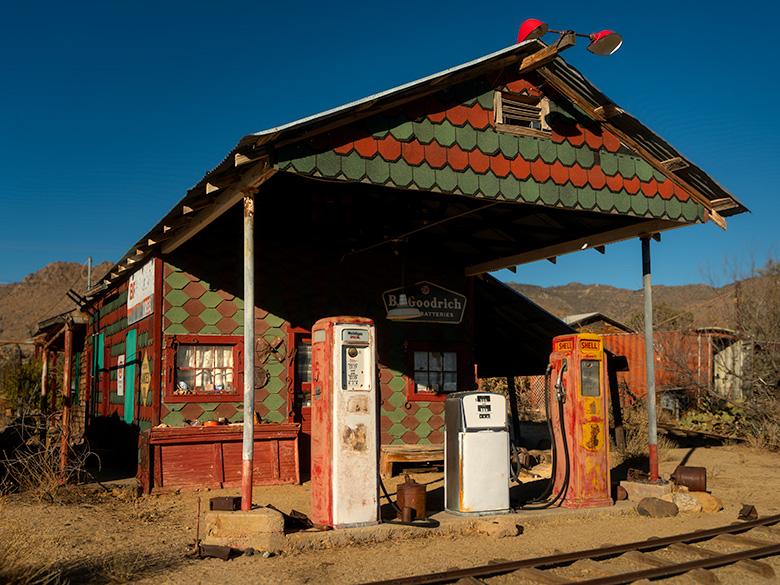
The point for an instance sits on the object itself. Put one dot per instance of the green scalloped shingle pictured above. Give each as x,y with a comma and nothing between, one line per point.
177,298
487,141
468,182
673,208
176,315
424,131
329,163
549,193
659,176
643,170
626,166
489,185
377,170
401,128
397,430
548,151
445,134
446,179
529,191
656,205
304,160
211,299
639,204
508,144
176,329
397,385
510,188
605,200
486,98
353,166
423,430
401,173
692,211
424,176
423,414
466,137
568,196
587,197
622,201
210,316
210,330
609,163
528,147
177,280
567,154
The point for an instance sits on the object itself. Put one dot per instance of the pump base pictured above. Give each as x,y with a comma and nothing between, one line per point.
599,503
478,513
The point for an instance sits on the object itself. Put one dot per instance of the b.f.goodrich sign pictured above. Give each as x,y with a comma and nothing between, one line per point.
437,304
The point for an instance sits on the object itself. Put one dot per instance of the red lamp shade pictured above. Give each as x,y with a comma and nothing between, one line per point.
531,29
604,43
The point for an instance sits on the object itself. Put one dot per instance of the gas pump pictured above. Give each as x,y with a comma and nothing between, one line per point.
344,467
476,453
578,404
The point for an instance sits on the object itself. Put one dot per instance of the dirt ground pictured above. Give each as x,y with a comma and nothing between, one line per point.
98,535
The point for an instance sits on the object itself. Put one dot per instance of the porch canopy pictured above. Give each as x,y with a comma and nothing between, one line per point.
433,167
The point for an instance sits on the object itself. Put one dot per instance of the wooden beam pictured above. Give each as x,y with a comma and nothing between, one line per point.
592,241
158,238
254,177
629,141
607,111
536,60
211,188
675,164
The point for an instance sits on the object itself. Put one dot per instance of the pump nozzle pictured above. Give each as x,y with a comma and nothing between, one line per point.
560,388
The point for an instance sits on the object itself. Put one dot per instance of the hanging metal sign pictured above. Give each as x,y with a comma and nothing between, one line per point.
437,304
140,293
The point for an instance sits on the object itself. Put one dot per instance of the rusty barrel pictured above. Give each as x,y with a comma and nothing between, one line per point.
694,478
411,494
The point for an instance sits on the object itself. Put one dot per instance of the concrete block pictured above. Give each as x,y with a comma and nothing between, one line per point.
637,491
261,529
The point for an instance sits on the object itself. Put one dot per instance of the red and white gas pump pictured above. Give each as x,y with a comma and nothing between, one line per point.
344,466
578,404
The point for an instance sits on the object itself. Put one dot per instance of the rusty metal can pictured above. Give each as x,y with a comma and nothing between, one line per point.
694,478
411,494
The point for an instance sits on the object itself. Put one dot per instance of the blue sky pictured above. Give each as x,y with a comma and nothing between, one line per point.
110,111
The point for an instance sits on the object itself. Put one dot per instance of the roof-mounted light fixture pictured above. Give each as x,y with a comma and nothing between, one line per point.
602,43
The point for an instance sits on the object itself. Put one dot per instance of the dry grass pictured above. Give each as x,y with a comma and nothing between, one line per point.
637,432
19,563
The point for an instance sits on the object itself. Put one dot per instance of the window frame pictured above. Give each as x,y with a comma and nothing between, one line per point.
460,351
499,118
173,342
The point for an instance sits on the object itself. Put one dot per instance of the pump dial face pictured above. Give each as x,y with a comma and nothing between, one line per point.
352,351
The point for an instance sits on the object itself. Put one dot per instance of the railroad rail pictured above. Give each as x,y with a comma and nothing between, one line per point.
651,566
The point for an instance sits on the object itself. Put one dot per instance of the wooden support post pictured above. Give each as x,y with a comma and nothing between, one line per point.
66,376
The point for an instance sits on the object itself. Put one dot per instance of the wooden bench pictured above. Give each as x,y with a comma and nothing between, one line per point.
390,454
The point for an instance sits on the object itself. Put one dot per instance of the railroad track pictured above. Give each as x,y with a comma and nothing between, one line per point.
694,554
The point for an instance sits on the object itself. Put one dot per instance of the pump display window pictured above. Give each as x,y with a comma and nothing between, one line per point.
204,368
434,372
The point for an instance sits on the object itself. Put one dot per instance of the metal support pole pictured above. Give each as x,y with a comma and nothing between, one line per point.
66,376
650,359
44,379
249,352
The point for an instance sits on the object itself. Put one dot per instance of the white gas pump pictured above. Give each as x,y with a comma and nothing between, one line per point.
476,456
344,467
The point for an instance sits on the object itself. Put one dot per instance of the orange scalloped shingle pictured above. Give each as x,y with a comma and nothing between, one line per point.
521,168
650,188
611,142
578,175
479,118
435,155
596,177
666,188
413,152
615,183
681,193
342,140
458,115
365,144
632,185
458,159
479,162
500,165
577,138
435,109
389,148
559,173
540,170
593,139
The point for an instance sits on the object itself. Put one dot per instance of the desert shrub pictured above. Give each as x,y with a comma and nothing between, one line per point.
20,383
637,430
19,563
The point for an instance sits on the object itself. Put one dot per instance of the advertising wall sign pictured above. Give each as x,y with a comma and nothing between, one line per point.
140,294
437,304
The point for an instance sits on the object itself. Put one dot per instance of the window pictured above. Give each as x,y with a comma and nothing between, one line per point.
435,372
521,113
205,368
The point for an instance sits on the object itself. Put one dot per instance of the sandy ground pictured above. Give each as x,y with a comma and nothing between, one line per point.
97,535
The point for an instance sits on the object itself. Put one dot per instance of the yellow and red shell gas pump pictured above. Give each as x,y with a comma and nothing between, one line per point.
578,405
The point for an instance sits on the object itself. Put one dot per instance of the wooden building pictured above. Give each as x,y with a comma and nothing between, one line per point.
423,189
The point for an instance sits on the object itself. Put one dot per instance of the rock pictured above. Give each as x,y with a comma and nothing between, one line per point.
686,502
656,508
498,527
621,493
709,503
249,552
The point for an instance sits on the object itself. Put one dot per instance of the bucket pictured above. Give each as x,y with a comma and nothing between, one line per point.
411,494
694,478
